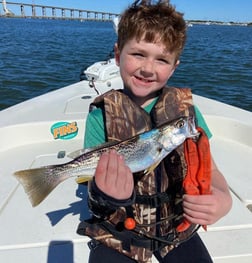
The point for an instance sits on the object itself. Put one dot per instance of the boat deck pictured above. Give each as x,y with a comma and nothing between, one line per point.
47,233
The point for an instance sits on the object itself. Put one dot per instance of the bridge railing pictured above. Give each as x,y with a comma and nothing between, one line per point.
53,12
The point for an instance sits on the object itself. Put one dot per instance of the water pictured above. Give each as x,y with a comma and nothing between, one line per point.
37,56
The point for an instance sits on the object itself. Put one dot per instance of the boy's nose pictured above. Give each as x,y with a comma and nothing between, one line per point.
147,69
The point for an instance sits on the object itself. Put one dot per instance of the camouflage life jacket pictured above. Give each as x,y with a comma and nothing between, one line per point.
158,206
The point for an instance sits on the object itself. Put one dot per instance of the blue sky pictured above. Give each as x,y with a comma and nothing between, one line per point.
220,10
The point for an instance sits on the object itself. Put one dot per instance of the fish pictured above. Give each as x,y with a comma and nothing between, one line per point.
142,153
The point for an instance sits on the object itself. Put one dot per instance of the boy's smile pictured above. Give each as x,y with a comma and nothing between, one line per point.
145,68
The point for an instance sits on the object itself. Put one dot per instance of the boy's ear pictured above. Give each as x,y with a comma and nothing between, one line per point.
177,63
117,54
174,67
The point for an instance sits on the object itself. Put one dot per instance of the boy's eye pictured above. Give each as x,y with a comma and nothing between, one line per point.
163,61
138,54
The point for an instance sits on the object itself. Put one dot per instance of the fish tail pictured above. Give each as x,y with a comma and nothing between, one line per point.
37,184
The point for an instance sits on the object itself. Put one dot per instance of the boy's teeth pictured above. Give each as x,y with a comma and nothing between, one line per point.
145,80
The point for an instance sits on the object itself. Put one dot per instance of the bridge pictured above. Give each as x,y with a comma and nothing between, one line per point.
52,12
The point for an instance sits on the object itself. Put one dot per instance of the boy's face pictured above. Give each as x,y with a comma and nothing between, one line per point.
145,67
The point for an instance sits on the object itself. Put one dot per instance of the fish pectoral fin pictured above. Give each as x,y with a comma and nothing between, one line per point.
83,179
151,168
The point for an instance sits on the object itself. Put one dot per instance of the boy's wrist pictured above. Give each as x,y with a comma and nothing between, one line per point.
103,205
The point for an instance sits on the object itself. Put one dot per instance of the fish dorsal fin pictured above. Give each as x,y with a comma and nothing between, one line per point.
77,153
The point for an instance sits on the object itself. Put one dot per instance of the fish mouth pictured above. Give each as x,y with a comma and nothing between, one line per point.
194,133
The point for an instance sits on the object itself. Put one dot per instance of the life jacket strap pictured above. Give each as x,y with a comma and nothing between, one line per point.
132,238
153,201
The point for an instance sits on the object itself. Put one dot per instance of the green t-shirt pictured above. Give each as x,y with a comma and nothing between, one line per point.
95,130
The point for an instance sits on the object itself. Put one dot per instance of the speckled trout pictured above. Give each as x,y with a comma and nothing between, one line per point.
142,153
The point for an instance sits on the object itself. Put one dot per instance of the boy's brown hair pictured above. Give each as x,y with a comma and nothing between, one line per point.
153,22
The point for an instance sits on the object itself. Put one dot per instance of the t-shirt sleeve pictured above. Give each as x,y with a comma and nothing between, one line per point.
94,129
201,122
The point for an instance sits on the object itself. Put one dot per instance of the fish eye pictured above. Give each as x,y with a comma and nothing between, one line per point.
180,124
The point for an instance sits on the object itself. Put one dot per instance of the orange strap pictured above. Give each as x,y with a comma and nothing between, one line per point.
198,178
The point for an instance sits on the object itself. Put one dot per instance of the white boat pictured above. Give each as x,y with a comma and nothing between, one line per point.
45,129
102,70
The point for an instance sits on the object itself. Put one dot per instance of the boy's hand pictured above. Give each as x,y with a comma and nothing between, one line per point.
206,209
113,177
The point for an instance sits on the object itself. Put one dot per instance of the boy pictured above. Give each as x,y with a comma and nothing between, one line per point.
151,37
